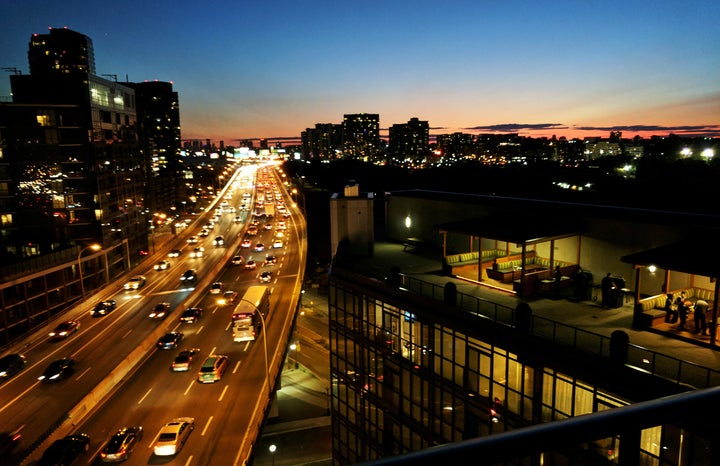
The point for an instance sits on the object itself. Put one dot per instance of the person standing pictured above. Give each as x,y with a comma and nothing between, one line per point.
607,284
671,315
682,311
701,307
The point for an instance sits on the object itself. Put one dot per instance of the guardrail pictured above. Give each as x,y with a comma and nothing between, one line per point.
655,363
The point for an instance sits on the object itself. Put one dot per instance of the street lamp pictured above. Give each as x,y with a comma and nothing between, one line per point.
94,247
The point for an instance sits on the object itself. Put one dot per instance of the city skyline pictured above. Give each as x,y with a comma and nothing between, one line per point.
271,70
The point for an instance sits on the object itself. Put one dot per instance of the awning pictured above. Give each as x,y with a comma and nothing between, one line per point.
524,228
697,257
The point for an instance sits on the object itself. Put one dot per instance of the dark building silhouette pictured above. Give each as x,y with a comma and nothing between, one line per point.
361,136
70,142
158,115
409,143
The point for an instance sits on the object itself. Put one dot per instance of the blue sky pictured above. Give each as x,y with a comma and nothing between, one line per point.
249,69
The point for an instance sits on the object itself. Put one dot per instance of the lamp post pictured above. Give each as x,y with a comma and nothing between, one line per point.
94,247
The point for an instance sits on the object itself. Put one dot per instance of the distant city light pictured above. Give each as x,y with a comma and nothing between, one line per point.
707,153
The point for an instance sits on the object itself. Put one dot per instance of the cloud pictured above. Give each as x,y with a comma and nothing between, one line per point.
517,127
686,129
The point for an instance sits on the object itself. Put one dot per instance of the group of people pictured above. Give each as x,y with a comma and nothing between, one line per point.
679,308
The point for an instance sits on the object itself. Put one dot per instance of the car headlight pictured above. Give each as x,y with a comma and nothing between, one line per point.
53,377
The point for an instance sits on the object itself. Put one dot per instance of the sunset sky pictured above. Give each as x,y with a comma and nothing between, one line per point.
271,68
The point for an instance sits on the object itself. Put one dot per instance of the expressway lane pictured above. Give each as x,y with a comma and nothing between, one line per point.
152,395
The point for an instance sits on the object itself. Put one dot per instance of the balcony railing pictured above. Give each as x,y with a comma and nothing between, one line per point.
644,359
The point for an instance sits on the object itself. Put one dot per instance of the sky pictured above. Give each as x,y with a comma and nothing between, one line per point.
247,69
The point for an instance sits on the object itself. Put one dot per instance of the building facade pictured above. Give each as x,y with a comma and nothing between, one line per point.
361,136
409,143
80,177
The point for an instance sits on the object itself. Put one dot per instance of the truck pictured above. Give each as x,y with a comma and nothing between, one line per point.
269,210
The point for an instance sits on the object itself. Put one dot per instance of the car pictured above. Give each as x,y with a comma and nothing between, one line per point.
213,368
160,311
286,214
236,260
193,239
253,230
279,234
175,253
281,225
135,283
237,219
217,288
11,364
162,265
219,241
65,450
184,359
58,370
9,441
246,243
173,436
266,277
268,226
250,265
170,340
277,244
209,225
121,444
270,259
197,252
204,233
259,247
228,297
190,275
191,315
103,308
64,329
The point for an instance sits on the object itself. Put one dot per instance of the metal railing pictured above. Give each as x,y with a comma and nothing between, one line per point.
655,363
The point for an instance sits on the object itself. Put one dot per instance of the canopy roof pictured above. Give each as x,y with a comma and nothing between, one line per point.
526,228
684,256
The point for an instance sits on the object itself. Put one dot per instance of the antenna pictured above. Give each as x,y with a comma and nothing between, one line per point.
12,70
114,76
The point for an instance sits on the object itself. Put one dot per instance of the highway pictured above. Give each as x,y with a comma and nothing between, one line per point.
149,394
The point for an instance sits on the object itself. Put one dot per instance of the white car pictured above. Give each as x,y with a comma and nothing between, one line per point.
173,436
277,244
135,283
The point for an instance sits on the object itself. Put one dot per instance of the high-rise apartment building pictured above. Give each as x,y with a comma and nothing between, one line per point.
78,174
409,143
158,116
324,141
361,136
61,51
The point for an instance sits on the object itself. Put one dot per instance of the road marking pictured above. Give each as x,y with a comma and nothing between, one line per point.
207,425
189,387
212,351
188,460
126,334
237,366
223,393
144,396
199,330
7,405
84,372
